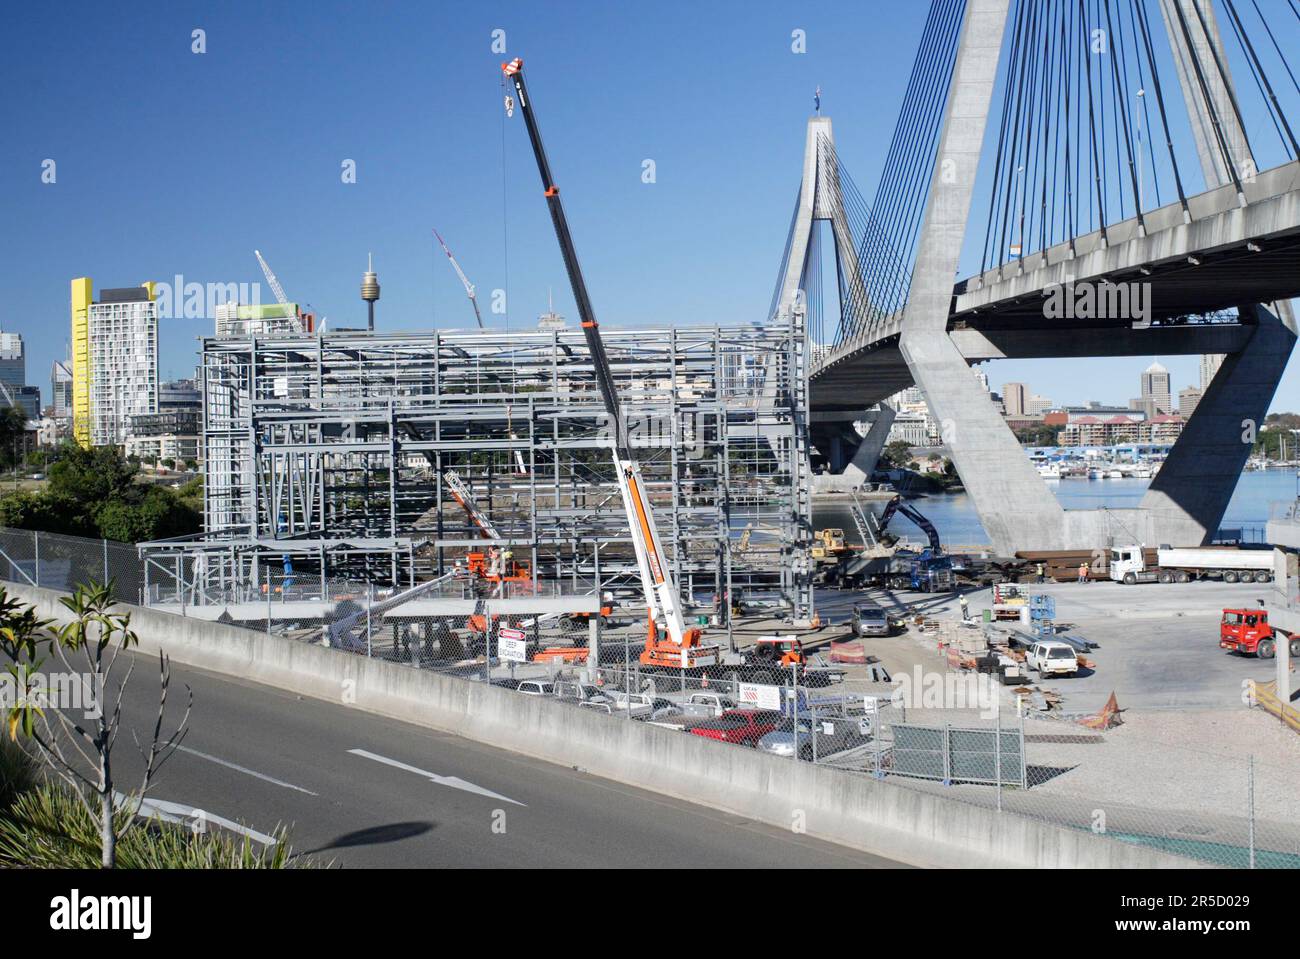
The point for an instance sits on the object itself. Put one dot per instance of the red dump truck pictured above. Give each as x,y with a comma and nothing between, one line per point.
1247,631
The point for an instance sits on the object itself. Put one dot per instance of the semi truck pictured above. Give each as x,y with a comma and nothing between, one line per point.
1133,564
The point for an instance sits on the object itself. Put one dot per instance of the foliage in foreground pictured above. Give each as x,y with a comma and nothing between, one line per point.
18,772
47,828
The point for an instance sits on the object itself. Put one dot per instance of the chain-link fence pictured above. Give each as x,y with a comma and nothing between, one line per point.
1128,781
55,561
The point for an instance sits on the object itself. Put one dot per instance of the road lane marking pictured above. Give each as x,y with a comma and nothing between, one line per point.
184,814
247,772
455,782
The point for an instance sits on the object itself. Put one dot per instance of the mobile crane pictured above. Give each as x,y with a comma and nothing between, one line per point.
681,647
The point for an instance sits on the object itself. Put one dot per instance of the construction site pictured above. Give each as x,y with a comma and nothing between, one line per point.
388,458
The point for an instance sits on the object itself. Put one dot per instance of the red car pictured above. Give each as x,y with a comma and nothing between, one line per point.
743,726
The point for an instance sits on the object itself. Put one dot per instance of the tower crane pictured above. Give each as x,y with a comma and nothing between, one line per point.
469,287
681,647
274,284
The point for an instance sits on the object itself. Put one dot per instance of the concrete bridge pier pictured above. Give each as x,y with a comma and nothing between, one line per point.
1190,494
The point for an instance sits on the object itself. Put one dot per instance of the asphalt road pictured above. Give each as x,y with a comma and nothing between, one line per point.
367,791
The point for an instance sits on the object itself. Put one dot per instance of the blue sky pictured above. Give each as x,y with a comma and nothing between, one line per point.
171,162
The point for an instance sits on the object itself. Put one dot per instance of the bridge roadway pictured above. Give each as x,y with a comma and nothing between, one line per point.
350,785
1225,256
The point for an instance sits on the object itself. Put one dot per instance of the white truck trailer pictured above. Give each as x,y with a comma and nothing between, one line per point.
1131,564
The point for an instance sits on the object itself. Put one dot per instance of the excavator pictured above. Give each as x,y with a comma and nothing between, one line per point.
898,505
679,646
931,571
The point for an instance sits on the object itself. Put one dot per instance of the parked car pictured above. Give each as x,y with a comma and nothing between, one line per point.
638,704
707,704
536,687
571,692
744,727
1052,658
834,734
870,620
662,710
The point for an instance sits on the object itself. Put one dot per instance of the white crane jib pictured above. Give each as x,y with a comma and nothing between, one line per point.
275,286
469,287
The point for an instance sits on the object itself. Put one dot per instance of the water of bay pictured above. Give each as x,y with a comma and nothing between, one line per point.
953,514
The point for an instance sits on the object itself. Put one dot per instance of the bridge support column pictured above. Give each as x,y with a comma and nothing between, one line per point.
1190,494
859,469
1013,503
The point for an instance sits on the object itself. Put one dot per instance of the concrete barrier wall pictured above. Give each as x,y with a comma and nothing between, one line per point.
911,826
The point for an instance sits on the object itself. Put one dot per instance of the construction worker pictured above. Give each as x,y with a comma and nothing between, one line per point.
1041,573
1083,572
965,608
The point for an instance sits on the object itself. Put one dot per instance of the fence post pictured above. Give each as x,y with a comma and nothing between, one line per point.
370,599
815,724
875,733
794,706
947,754
36,548
997,751
268,600
1024,759
105,542
1250,789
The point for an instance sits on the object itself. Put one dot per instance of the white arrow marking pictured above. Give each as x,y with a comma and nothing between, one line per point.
455,782
186,815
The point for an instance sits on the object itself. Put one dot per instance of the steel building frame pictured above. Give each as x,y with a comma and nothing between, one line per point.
328,449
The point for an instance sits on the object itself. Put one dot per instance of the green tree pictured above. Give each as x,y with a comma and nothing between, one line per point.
897,455
13,426
92,476
94,492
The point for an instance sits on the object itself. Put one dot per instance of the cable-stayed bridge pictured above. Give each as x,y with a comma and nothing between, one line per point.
1126,176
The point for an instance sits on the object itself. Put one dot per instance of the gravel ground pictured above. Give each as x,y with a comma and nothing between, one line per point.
1191,760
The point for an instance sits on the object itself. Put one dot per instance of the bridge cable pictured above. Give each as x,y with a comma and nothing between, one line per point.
1145,23
1261,78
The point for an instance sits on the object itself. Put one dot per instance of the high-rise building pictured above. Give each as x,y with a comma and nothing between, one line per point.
1210,363
1155,388
1014,398
61,392
1187,400
13,362
1036,405
114,361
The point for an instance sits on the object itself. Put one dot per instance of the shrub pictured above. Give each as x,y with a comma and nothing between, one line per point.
47,828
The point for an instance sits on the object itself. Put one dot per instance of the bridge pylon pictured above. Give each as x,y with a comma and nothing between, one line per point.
1187,500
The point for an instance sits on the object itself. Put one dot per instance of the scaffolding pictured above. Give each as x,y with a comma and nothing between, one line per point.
324,454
